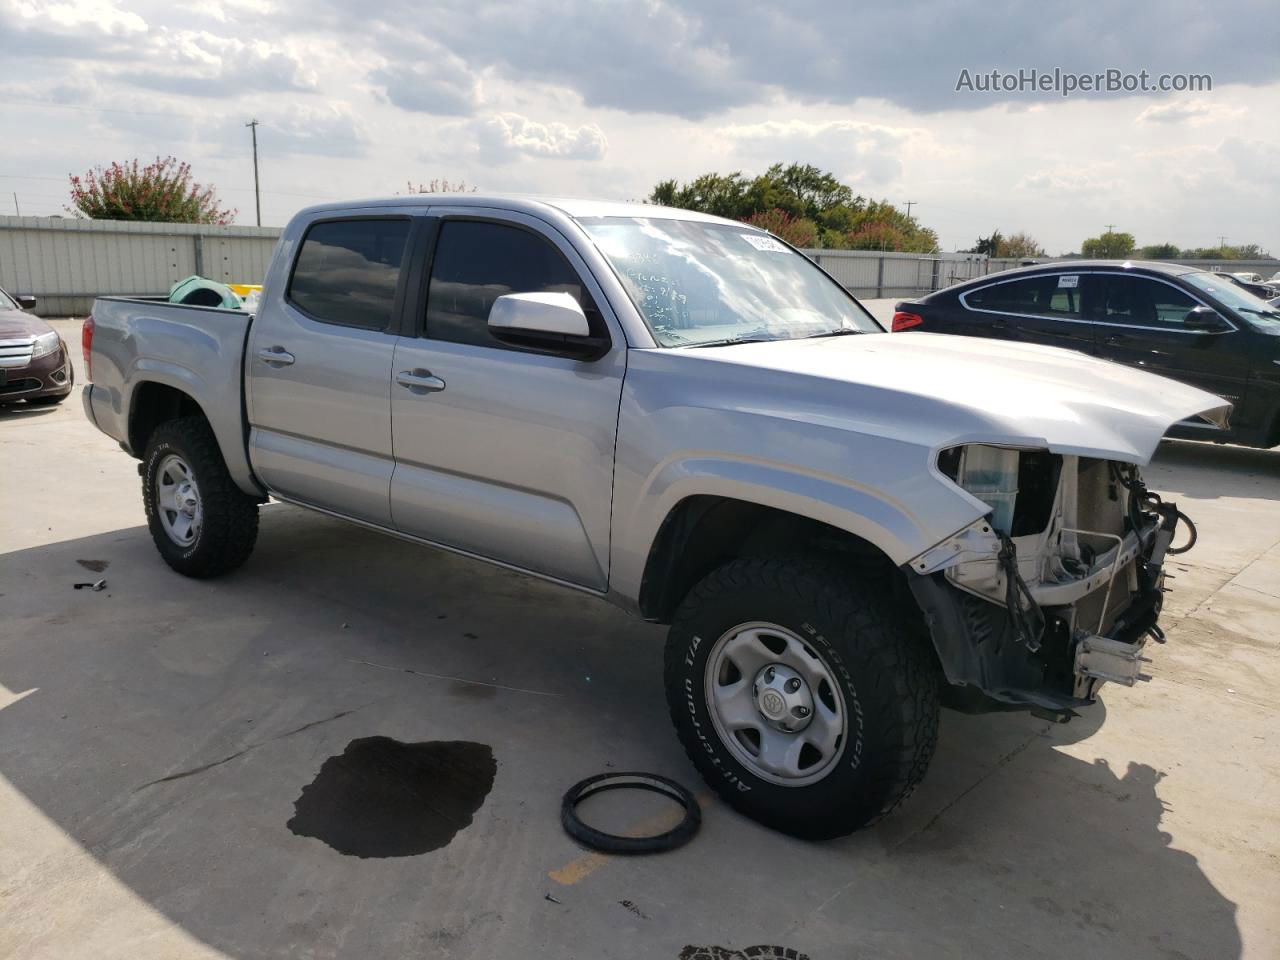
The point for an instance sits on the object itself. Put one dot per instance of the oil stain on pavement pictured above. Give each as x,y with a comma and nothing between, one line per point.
384,798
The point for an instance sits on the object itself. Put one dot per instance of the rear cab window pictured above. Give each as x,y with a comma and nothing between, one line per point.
348,271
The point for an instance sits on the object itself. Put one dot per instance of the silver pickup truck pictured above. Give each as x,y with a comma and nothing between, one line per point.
687,417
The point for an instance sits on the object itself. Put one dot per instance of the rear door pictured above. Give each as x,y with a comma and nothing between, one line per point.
1141,321
1044,308
318,368
507,453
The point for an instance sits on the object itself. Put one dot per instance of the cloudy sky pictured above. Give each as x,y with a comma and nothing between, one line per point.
605,98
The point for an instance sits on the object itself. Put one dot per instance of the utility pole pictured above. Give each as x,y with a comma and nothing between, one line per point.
910,204
257,199
16,209
1110,227
1222,242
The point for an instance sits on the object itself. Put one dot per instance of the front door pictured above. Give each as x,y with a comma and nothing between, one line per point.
503,452
318,369
1141,321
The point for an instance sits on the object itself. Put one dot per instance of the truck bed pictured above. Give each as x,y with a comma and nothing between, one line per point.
142,344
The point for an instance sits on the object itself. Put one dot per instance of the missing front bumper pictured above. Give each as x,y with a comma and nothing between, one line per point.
1102,658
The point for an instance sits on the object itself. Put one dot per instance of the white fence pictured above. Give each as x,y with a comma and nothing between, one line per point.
68,262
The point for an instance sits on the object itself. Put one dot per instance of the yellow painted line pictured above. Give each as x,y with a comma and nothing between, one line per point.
578,870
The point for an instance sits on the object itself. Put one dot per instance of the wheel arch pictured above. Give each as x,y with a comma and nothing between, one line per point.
703,531
159,396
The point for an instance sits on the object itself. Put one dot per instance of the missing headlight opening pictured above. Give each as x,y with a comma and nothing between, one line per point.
1071,554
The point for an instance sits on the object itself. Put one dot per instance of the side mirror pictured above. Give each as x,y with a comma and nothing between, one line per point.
1205,319
546,322
26,302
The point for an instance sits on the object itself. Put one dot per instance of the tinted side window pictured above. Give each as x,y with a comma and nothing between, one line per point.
475,263
1051,295
347,271
1142,302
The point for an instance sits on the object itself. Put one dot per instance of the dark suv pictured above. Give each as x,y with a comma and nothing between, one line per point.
1177,321
35,365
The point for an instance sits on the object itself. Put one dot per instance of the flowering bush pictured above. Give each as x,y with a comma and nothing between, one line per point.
797,231
161,191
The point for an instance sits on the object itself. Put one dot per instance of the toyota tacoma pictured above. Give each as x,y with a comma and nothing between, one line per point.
844,529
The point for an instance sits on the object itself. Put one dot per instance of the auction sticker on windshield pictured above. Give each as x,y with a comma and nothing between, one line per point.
764,243
1068,282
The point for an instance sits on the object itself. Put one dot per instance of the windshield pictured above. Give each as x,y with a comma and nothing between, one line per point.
7,302
1253,310
699,284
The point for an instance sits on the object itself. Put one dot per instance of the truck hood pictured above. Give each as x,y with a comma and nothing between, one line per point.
946,389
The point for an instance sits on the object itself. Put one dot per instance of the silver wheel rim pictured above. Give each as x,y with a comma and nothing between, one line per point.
178,501
776,704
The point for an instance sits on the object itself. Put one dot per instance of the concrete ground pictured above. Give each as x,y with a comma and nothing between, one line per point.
155,736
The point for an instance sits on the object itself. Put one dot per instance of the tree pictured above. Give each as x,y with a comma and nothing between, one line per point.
161,192
441,185
1020,245
820,211
988,246
1160,251
1017,245
1109,246
797,231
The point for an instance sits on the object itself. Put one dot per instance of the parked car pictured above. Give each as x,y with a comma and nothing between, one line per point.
1263,291
34,363
1247,276
687,417
1181,322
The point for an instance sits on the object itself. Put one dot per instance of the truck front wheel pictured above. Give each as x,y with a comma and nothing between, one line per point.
201,522
800,696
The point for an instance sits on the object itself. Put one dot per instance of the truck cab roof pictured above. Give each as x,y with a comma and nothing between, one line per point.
575,208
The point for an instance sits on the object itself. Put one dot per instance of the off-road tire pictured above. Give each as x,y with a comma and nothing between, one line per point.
230,526
887,671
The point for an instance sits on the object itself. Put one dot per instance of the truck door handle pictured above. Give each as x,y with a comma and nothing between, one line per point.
419,381
277,356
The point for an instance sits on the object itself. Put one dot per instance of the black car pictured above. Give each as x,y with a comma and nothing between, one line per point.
1177,321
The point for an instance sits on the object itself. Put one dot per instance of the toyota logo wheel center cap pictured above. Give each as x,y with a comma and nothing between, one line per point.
783,698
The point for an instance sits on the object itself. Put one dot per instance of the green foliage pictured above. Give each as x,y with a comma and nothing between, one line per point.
816,206
1160,251
161,192
1018,245
1243,251
1111,245
797,231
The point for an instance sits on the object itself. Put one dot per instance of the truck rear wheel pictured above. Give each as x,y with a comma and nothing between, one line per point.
201,522
800,696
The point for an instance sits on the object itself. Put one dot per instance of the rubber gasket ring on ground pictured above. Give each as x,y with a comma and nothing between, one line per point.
589,836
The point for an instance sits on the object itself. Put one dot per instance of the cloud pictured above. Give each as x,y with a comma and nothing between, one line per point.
509,136
694,58
862,154
1069,180
440,85
1193,112
202,64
